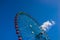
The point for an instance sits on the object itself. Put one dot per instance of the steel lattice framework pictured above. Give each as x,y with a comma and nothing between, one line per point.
27,28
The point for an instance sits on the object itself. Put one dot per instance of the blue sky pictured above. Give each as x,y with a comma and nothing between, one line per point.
41,10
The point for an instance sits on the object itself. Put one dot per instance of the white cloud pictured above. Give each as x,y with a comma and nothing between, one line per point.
47,25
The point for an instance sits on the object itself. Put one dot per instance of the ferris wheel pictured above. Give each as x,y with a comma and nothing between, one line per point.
27,28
